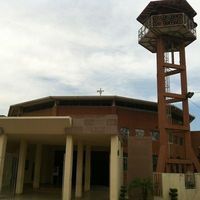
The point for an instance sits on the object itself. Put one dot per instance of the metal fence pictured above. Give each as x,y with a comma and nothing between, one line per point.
157,184
9,177
190,182
167,20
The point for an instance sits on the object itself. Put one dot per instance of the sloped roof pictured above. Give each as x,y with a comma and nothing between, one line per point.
85,101
120,101
165,7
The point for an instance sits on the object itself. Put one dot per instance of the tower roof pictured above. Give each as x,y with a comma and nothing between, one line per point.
165,7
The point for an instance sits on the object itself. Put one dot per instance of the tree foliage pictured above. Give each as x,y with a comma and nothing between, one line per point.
145,186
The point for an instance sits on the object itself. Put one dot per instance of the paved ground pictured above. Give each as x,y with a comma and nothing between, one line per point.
99,193
96,193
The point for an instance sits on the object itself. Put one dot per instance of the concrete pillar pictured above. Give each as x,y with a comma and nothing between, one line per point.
87,168
67,175
21,167
79,170
121,165
114,168
38,159
3,143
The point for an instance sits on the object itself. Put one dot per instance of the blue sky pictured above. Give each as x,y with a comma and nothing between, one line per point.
74,47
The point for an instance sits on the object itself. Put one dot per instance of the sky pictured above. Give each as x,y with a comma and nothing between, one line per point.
75,47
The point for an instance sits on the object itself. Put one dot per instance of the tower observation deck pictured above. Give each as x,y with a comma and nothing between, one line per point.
168,27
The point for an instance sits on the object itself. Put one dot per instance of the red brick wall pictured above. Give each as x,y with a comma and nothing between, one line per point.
134,119
128,118
140,158
195,138
44,112
84,110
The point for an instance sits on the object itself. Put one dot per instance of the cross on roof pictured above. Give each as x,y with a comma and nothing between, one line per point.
100,91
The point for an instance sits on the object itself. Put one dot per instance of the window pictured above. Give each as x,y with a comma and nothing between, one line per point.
189,181
125,161
125,131
170,138
155,160
139,132
181,141
175,140
155,135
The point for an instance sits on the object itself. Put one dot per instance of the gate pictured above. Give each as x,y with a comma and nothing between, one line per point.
9,176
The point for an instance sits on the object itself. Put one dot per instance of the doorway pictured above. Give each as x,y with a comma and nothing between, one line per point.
100,168
58,168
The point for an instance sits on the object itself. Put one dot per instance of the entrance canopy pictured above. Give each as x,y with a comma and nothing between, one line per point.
86,133
35,125
35,129
93,129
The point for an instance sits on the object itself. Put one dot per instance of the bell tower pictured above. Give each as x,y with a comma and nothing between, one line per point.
168,27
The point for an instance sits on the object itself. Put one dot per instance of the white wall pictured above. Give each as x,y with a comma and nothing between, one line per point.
177,181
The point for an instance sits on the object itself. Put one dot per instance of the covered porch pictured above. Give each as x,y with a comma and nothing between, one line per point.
58,157
97,193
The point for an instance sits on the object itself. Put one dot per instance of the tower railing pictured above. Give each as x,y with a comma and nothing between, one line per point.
167,20
142,32
190,24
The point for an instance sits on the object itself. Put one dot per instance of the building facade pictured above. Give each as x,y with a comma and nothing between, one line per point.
77,142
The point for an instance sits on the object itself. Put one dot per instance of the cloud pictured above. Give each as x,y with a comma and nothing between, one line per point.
74,47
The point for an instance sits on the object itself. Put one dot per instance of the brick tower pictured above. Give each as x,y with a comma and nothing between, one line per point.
168,27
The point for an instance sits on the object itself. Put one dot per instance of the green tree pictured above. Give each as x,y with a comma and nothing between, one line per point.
145,186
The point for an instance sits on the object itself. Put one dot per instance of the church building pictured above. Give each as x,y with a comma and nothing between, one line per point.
78,142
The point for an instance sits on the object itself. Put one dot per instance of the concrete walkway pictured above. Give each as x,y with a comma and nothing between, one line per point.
96,193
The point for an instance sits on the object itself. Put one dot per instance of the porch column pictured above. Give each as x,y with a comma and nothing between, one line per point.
67,175
121,164
87,168
3,143
79,170
114,171
21,167
38,158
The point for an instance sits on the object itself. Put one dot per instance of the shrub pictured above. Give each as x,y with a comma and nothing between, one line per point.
173,192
